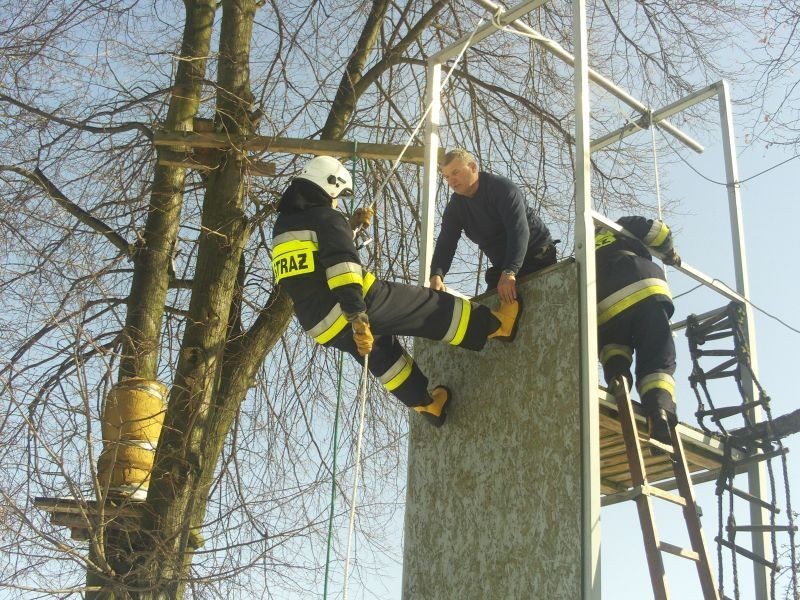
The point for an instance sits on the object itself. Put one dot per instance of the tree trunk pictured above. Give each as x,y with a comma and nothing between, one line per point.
174,501
112,556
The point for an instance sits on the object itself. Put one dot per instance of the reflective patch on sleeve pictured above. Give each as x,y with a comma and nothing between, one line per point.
657,235
344,273
330,326
604,238
293,258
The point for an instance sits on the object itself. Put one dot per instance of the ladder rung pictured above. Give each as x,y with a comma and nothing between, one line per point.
760,457
727,411
666,448
761,528
752,499
717,374
715,352
717,336
664,495
678,551
748,554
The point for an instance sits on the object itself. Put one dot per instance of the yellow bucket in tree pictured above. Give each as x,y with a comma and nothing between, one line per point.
131,424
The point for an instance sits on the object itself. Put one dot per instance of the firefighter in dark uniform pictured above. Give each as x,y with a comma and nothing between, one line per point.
340,304
492,212
634,306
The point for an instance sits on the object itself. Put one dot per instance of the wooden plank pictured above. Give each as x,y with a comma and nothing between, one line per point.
261,143
200,162
678,551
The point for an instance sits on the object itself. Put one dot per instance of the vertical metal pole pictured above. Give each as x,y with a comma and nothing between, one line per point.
584,252
433,90
756,474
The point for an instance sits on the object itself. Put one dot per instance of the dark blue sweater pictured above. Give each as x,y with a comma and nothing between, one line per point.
497,219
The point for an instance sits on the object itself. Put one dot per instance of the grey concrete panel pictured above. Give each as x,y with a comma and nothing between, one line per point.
493,503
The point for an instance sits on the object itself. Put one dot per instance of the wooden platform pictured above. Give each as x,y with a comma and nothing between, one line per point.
78,515
704,454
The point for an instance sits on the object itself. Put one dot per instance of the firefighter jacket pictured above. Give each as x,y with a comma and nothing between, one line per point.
497,219
626,273
315,260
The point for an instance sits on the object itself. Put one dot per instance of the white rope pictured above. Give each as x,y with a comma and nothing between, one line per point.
362,398
424,116
655,164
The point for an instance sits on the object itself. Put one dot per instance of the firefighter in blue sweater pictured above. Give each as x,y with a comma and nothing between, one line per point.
341,304
492,212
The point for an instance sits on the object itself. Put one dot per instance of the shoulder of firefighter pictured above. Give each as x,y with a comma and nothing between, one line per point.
652,235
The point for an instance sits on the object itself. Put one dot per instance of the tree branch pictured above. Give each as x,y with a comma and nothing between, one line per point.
81,125
40,179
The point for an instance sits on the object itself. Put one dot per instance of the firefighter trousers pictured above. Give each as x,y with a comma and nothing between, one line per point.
397,309
643,328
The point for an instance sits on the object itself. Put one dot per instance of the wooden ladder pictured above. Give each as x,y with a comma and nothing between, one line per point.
643,492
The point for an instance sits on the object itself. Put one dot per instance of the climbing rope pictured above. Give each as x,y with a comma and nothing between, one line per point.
362,400
333,473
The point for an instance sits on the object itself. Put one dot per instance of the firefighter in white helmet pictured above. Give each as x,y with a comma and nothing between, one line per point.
340,304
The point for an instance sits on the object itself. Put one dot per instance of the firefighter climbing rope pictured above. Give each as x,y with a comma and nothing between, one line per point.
760,444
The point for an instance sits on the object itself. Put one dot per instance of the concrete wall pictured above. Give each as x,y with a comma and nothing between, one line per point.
493,500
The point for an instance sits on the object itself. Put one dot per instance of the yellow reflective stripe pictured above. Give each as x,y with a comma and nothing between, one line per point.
335,321
345,279
663,381
342,268
611,350
369,279
332,331
455,319
300,234
293,246
660,236
398,380
330,321
466,309
628,296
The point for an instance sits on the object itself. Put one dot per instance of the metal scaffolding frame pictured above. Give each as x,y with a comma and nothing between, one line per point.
585,219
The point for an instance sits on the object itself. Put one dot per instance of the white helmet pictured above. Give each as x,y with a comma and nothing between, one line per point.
329,174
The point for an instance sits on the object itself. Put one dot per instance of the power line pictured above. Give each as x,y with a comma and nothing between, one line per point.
723,183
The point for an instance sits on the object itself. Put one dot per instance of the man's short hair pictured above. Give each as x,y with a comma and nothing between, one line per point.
459,154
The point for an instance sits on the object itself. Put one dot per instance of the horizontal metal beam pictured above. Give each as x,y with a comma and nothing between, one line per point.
484,31
685,268
646,121
557,50
261,143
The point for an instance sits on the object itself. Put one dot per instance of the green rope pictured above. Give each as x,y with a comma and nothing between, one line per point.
333,472
336,433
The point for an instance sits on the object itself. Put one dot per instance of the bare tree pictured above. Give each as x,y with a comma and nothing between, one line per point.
118,265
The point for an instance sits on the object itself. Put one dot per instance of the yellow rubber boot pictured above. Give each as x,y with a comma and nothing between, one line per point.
508,314
435,412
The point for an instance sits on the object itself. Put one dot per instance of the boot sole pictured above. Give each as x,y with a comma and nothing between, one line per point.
433,419
510,338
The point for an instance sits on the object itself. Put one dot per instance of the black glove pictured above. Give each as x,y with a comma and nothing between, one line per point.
672,258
